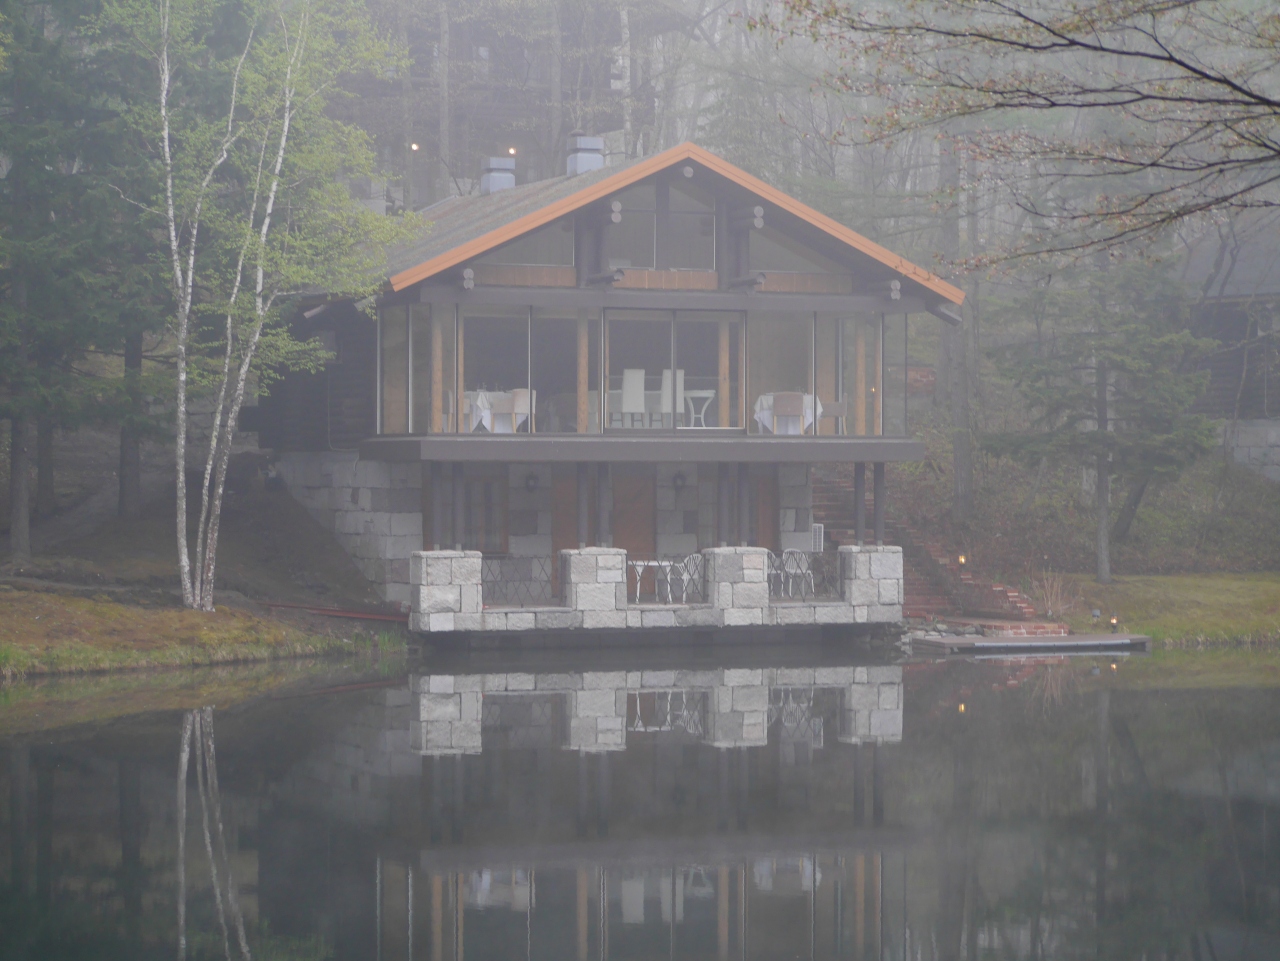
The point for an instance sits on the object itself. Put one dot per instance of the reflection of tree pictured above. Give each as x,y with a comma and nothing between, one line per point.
197,731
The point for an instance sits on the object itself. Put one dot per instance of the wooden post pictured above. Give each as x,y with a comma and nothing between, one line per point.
877,383
458,381
437,918
722,914
859,502
878,495
722,393
437,374
584,370
859,378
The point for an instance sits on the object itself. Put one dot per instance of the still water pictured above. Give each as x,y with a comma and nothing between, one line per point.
796,804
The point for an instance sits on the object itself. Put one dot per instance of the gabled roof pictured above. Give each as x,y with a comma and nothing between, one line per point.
466,227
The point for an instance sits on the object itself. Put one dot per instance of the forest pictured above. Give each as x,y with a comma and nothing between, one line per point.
1100,179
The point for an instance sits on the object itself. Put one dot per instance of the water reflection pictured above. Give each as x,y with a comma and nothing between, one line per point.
815,810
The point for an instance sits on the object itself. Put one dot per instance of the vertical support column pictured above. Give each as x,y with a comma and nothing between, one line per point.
584,504
722,913
459,508
859,502
437,505
459,382
604,527
744,505
878,493
584,370
859,378
438,424
724,515
722,390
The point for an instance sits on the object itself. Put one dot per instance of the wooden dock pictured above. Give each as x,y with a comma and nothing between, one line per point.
975,645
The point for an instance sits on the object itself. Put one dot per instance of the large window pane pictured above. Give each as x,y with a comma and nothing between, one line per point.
393,346
565,371
493,346
630,243
780,374
863,373
689,241
551,246
641,388
827,374
708,379
895,376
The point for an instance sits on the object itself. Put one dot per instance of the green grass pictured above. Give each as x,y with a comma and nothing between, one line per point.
1191,610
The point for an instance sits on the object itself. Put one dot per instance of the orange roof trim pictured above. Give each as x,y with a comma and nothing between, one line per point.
645,168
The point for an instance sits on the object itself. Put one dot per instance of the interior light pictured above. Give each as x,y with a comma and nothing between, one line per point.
511,151
413,146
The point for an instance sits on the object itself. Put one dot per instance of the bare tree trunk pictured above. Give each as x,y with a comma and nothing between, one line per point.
20,490
129,503
1103,490
1129,510
46,493
955,346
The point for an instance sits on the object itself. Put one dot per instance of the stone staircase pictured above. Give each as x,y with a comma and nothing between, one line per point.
935,584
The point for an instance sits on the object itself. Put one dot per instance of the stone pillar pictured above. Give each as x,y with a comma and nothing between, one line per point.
595,584
447,591
872,582
737,580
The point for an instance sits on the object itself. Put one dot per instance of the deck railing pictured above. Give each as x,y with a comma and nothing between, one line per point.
512,580
796,575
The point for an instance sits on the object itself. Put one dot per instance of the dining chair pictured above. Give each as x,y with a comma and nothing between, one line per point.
502,418
633,396
522,403
788,412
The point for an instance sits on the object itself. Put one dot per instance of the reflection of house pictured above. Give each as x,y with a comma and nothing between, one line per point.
647,357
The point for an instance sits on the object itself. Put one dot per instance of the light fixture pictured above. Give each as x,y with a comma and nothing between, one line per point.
961,559
687,171
1115,623
531,482
960,708
1115,666
413,146
511,151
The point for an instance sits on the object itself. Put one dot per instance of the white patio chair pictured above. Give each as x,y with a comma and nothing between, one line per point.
685,575
633,396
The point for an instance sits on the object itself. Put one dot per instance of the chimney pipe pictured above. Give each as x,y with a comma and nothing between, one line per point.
585,153
499,174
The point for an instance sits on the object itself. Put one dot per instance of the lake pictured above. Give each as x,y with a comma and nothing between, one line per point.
817,802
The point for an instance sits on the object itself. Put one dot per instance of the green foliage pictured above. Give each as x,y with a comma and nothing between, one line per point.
1125,324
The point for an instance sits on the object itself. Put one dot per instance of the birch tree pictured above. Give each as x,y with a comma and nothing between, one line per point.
250,198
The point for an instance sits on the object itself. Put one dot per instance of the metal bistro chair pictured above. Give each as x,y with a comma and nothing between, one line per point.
797,571
685,575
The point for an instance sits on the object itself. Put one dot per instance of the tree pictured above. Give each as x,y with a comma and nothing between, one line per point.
1109,382
1103,122
249,191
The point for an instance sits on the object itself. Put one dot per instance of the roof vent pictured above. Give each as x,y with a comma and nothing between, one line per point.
499,174
585,153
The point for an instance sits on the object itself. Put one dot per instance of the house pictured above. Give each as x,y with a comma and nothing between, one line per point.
636,365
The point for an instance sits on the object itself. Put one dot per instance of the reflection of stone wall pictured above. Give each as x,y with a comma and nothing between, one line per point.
873,705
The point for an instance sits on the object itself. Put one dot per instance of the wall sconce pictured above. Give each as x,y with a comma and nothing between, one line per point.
531,482
678,480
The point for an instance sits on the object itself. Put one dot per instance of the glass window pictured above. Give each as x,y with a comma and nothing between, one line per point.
641,388
549,246
431,381
630,243
689,242
863,368
771,249
393,368
894,420
780,373
564,370
708,379
493,352
828,334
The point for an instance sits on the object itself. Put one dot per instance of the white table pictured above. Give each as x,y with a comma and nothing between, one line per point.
698,414
478,411
662,575
790,425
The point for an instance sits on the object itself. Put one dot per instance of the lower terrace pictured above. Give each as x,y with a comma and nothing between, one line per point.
602,588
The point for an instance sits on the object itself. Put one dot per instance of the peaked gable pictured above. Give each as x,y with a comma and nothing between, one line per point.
600,187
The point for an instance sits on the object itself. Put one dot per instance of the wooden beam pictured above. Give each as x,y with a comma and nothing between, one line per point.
722,393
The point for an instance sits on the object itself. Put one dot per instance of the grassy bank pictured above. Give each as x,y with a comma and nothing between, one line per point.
46,633
1186,610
